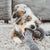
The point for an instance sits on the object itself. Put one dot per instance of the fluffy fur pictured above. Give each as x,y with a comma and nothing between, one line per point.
23,11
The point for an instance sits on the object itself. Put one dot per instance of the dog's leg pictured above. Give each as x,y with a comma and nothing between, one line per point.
12,32
16,38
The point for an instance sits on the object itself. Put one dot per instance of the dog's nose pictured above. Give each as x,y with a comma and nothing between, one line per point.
32,27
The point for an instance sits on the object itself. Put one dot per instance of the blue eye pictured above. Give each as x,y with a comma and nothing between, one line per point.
27,19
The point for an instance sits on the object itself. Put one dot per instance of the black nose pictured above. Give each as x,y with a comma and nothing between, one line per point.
32,26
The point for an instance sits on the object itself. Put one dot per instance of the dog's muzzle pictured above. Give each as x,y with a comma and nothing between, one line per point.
32,28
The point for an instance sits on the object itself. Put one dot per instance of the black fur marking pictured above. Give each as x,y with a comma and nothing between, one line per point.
19,34
16,15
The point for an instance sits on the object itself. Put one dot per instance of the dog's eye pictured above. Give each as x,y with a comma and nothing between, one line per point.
29,18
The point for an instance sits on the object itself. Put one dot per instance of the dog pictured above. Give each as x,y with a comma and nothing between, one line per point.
24,18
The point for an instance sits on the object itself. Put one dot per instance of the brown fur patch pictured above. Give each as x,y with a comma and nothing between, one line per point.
30,17
36,22
13,37
20,13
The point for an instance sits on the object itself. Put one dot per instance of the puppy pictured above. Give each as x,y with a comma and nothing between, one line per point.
24,18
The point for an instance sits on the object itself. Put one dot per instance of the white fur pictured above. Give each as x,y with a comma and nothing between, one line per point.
18,28
17,40
30,13
28,24
24,7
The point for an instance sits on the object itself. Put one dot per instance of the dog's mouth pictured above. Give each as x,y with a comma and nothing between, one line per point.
32,28
26,30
